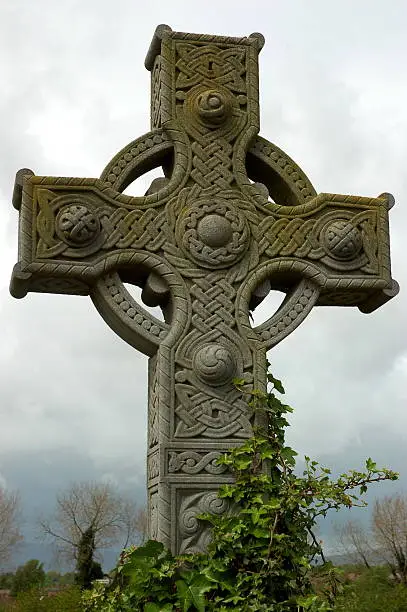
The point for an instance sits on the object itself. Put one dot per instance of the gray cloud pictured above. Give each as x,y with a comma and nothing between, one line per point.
333,95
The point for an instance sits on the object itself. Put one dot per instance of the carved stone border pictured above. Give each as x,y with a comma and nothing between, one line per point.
132,322
295,308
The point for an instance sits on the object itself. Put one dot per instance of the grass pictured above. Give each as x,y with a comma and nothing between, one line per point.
365,590
68,600
371,591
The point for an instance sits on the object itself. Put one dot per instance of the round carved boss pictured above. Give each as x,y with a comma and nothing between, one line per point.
214,364
212,107
76,224
215,234
342,240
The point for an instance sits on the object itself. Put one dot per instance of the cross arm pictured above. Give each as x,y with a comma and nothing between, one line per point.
340,241
73,230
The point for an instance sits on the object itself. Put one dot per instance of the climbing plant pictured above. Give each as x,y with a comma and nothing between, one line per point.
262,551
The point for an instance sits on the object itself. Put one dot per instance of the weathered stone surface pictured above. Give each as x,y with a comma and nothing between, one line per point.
234,218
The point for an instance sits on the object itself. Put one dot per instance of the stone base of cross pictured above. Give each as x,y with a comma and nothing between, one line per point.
233,218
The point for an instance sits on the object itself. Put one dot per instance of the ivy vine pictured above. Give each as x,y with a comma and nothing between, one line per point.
261,554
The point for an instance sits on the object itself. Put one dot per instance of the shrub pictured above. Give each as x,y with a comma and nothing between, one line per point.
28,576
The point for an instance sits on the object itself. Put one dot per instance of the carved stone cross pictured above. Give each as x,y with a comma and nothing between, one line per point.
233,218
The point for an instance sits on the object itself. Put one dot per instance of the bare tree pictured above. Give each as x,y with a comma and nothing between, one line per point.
135,520
356,542
389,525
92,507
9,524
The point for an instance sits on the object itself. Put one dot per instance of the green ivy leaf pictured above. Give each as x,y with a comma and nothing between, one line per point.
153,607
150,550
370,464
193,593
261,532
243,463
278,385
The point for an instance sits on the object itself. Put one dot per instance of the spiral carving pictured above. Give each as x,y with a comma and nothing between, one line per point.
189,522
212,108
194,535
215,504
214,364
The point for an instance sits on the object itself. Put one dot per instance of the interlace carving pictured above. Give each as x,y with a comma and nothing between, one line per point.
192,462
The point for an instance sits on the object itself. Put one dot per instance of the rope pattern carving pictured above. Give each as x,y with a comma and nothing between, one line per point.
285,237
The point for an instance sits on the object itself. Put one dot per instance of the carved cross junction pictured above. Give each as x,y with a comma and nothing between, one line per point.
234,218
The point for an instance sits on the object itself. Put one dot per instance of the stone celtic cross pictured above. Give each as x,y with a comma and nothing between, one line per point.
233,218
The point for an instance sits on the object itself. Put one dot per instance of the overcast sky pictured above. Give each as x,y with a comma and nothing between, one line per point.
74,91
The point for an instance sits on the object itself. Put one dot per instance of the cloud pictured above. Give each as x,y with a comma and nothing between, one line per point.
333,95
73,383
